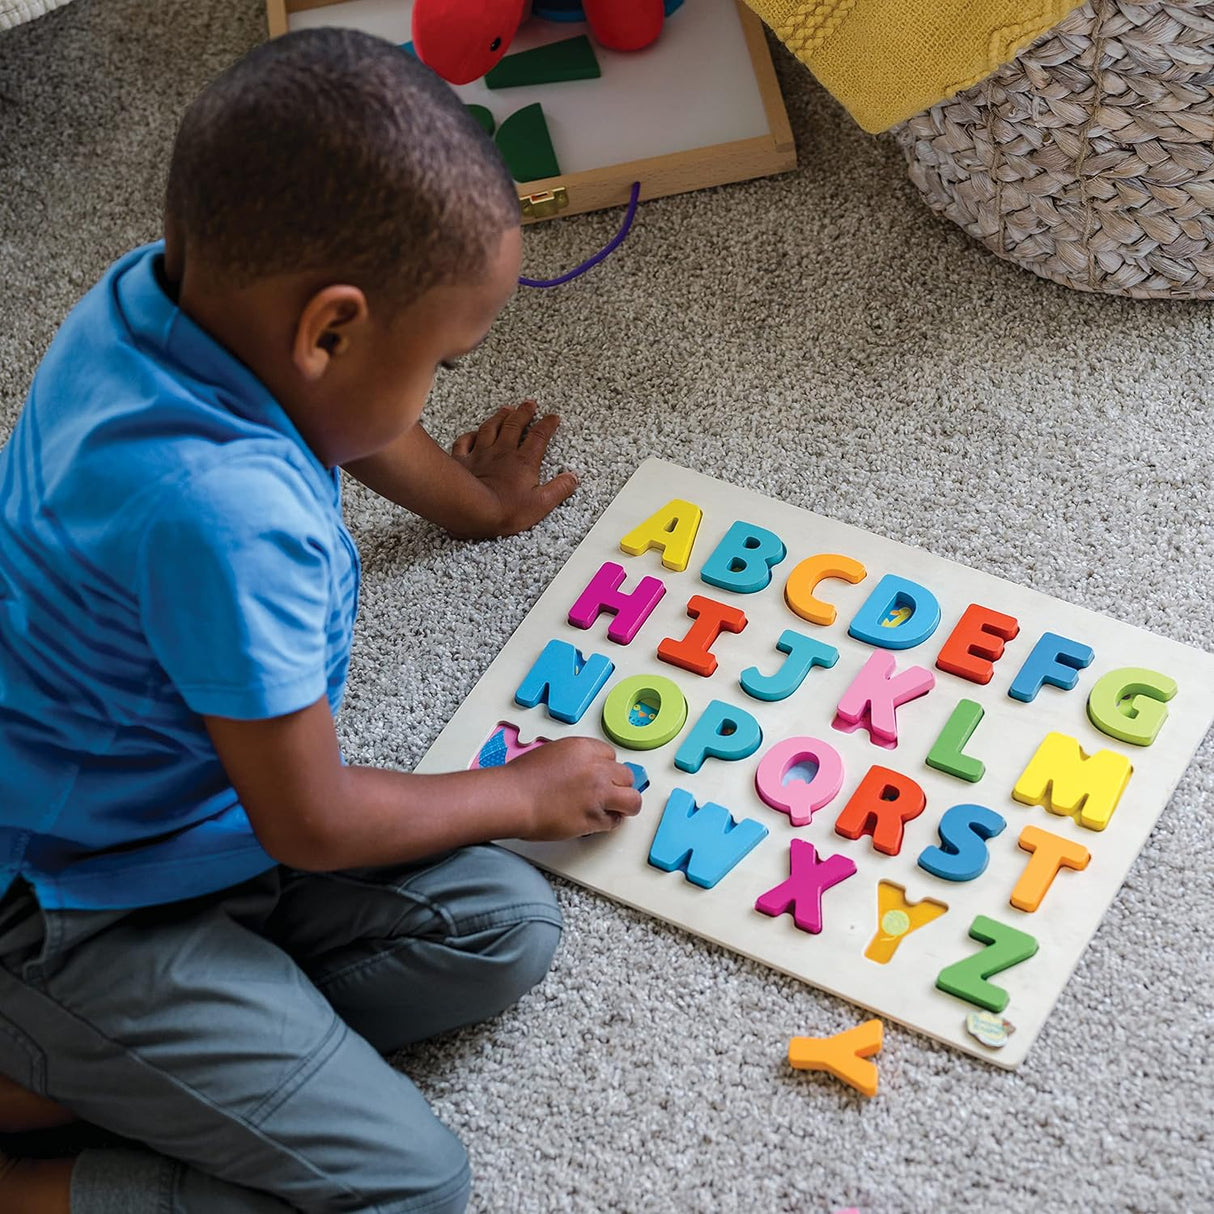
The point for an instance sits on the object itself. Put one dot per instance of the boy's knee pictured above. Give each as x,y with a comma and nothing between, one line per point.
528,947
510,888
450,1195
522,921
429,1176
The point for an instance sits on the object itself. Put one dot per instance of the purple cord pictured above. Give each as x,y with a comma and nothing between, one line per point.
609,248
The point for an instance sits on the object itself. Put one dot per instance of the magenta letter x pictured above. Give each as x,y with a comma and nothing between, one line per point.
808,879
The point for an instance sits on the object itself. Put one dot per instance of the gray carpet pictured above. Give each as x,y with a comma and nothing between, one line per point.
821,338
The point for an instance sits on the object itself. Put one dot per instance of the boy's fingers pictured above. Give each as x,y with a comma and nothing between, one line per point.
540,502
491,427
539,436
516,421
627,801
556,491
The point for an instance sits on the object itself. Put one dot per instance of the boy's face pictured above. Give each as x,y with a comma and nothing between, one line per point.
374,394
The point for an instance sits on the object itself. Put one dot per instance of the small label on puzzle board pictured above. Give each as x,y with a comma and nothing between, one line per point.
898,977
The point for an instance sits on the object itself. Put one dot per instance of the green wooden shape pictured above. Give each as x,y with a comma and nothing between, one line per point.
967,978
1129,704
945,755
660,694
524,142
484,117
572,59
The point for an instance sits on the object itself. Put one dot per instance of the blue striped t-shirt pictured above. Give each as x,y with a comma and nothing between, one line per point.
169,548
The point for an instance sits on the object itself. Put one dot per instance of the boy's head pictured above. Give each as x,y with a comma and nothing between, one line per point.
339,221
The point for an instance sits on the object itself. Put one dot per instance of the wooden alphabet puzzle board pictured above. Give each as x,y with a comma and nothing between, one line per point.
843,797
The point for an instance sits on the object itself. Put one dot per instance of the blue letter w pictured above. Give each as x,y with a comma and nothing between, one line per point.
703,843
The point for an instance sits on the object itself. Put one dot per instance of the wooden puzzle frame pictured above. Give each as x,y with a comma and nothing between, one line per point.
674,173
899,969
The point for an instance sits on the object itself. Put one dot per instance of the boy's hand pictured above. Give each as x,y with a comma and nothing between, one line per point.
577,788
505,455
490,483
311,811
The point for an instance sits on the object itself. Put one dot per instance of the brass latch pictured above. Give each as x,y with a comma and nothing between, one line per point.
545,203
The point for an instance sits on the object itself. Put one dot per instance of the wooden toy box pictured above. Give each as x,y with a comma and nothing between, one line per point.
700,107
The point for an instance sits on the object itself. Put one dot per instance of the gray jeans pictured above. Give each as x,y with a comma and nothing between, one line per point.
240,1036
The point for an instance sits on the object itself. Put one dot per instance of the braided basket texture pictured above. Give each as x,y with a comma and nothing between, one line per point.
1090,158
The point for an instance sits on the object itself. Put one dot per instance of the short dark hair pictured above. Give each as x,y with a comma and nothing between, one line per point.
331,150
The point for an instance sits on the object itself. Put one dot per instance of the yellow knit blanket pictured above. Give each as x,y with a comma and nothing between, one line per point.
888,59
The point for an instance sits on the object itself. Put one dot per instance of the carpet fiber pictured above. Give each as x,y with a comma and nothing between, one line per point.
821,338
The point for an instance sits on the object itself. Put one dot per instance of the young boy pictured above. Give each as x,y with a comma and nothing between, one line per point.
211,929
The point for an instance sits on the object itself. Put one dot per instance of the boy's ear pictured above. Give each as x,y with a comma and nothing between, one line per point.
330,322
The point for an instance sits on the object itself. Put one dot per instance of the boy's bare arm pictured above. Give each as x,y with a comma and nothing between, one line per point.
488,486
310,811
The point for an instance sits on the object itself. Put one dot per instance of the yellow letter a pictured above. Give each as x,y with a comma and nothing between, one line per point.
672,530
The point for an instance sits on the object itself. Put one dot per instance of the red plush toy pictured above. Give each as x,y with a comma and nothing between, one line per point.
463,39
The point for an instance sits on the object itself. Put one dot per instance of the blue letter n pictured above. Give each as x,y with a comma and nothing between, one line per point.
564,680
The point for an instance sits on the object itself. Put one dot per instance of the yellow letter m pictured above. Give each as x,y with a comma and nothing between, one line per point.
1065,781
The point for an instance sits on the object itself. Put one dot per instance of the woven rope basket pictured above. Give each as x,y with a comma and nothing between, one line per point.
1090,158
